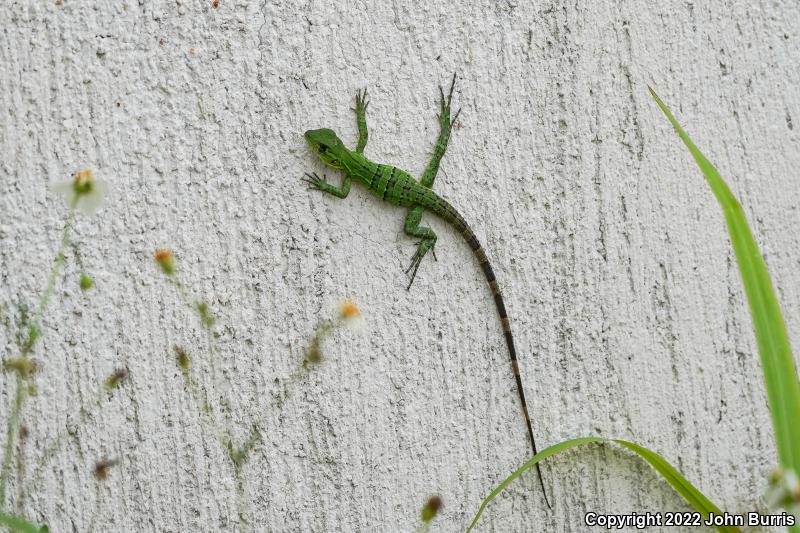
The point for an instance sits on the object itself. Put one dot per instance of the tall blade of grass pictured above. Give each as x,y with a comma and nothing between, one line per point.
15,523
552,450
780,375
695,498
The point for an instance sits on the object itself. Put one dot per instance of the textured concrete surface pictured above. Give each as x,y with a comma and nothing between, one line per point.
618,273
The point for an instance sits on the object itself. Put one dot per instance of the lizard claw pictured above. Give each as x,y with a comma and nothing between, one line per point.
361,101
455,117
432,249
450,94
444,105
314,181
415,265
416,260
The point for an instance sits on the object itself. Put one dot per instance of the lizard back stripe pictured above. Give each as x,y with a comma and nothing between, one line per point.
399,191
390,183
374,176
380,185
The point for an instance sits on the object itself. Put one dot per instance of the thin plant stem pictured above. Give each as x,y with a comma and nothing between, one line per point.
187,300
241,504
11,431
197,393
181,291
33,332
59,260
85,414
212,349
226,441
21,465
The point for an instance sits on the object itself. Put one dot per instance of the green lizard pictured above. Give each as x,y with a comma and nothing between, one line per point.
399,188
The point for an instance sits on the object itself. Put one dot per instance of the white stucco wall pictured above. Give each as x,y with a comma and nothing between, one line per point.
619,278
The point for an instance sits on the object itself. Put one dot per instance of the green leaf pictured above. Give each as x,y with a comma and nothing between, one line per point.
780,375
695,498
16,523
544,454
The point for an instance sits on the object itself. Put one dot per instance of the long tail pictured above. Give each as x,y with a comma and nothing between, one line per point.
449,213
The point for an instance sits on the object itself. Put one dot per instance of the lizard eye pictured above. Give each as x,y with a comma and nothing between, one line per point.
322,149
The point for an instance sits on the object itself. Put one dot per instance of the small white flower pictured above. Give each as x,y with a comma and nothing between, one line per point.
83,190
784,489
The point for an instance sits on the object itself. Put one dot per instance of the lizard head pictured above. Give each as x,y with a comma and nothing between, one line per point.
327,146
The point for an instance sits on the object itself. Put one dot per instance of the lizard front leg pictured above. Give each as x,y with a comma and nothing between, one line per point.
427,240
315,182
445,125
361,120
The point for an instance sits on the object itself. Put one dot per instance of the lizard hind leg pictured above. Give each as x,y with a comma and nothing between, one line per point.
427,240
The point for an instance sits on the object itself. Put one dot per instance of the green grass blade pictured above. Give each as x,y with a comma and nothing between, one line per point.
544,454
780,375
15,523
695,498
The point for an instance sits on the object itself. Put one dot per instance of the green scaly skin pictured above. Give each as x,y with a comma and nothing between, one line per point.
397,187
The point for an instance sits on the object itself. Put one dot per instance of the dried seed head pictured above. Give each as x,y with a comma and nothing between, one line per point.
182,358
166,260
431,508
313,353
116,378
101,468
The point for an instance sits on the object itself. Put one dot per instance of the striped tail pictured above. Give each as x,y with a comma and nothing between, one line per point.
449,213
